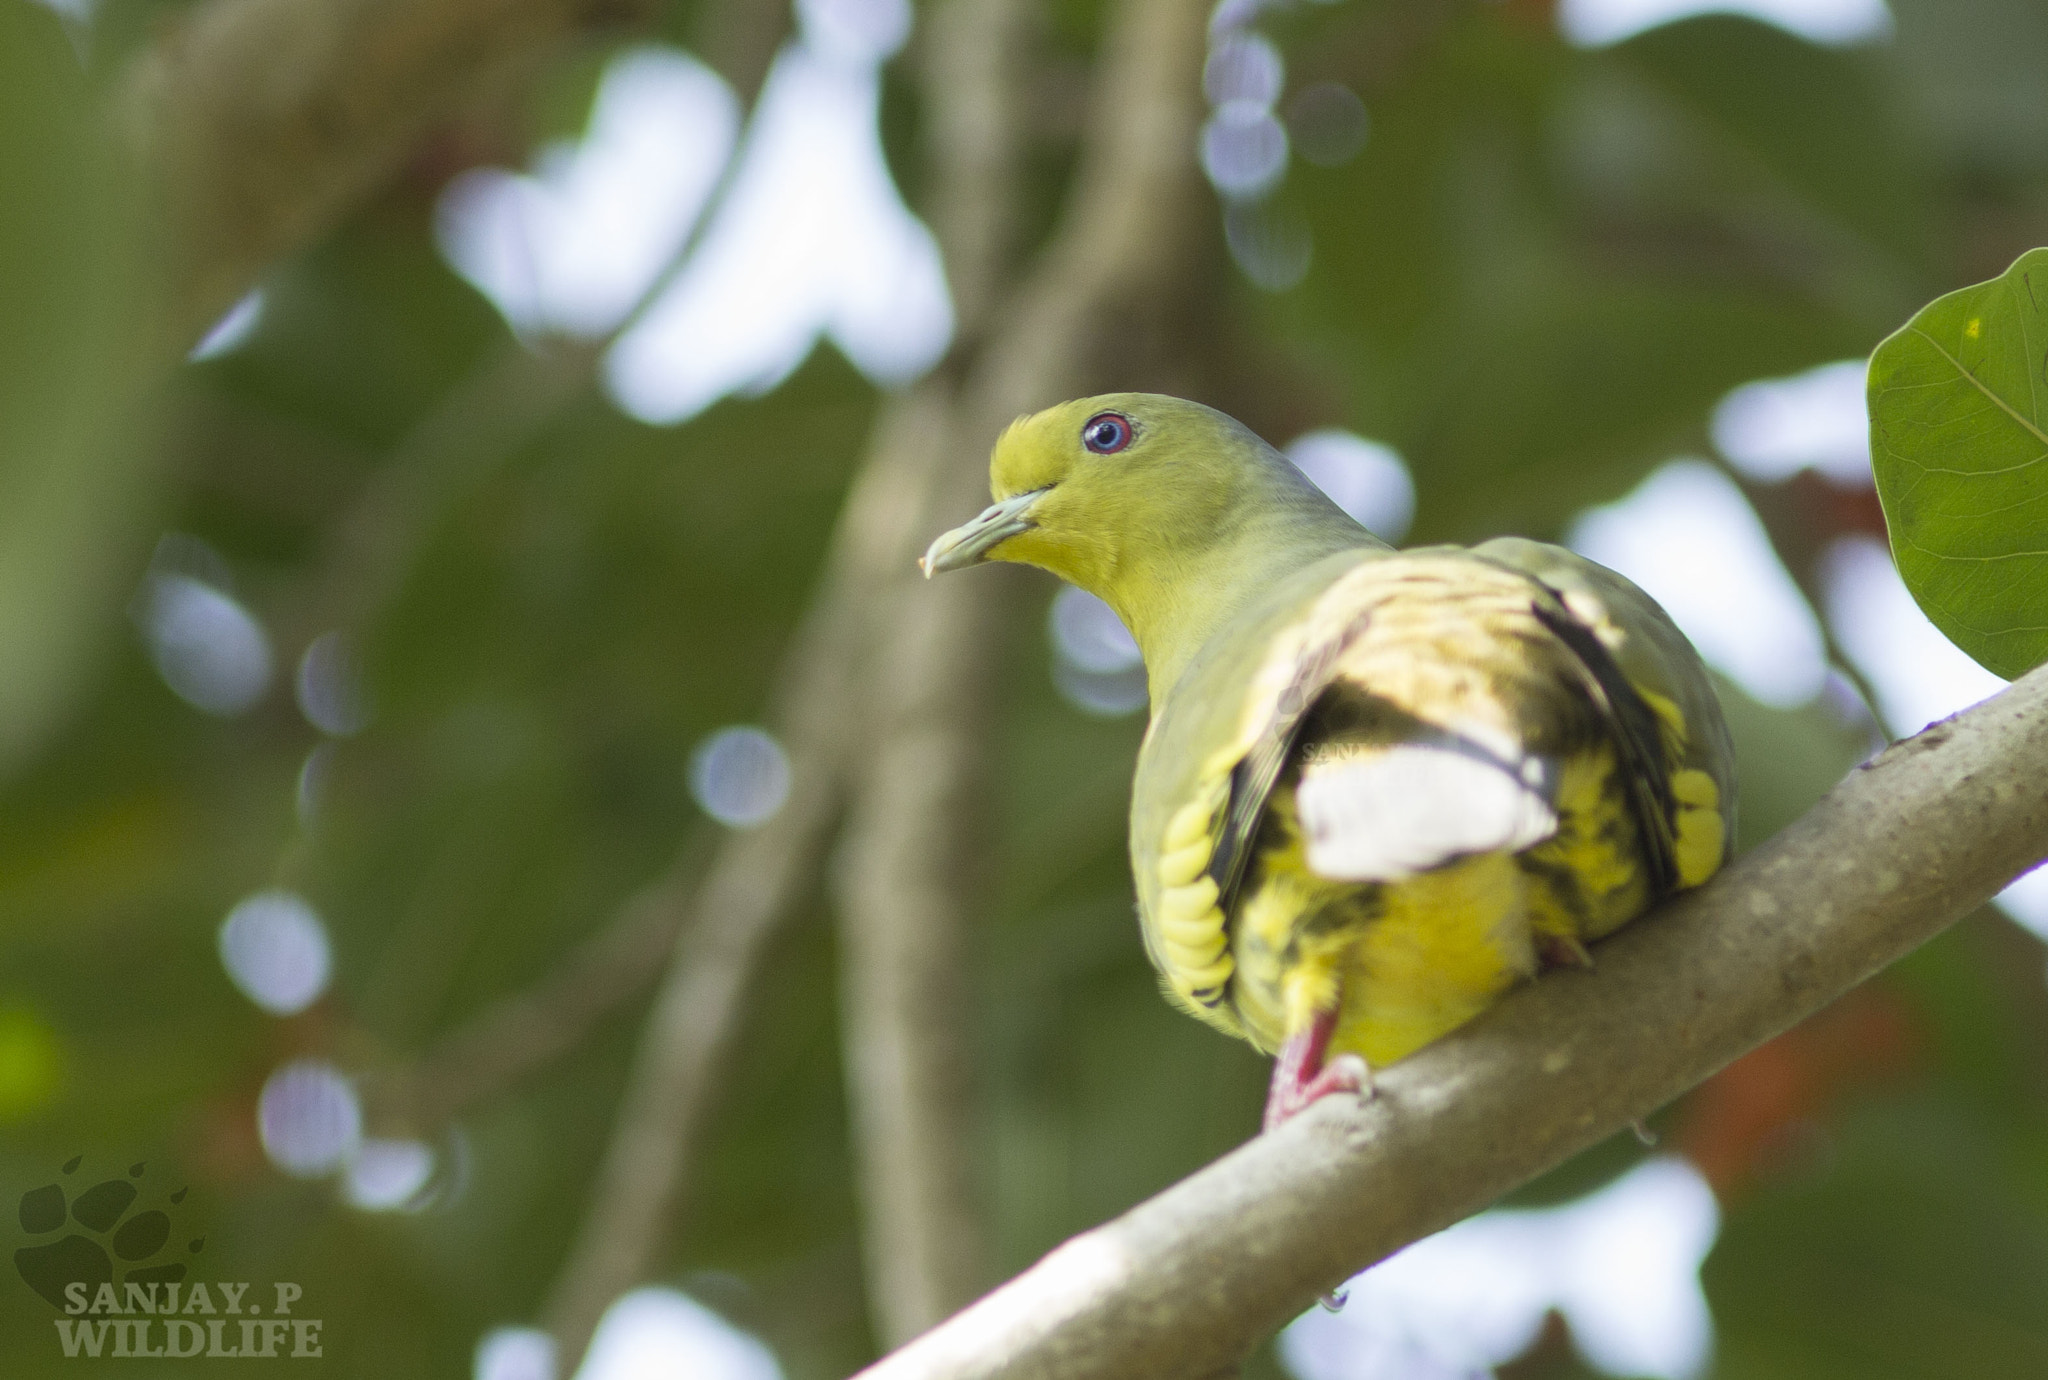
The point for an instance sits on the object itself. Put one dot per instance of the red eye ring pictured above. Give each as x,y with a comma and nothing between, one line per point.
1106,433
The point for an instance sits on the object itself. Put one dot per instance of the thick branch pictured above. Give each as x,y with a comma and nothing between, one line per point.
1189,1281
904,866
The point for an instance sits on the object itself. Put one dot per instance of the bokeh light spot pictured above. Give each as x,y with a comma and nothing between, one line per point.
1096,666
1087,632
740,776
330,687
2026,901
1243,66
233,330
309,1119
1366,479
858,32
275,950
655,1334
310,790
515,1353
811,237
389,1176
209,649
1244,149
574,245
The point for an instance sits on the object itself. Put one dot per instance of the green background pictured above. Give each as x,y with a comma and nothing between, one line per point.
1535,281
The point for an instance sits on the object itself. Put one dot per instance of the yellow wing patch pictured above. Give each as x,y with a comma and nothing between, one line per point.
1670,721
1193,948
1699,828
1700,831
1595,847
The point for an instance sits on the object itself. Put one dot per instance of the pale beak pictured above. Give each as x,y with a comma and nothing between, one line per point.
970,542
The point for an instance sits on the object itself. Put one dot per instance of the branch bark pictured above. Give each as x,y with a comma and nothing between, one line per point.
904,869
1188,1281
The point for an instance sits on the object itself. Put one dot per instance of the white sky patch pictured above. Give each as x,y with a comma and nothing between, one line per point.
2026,901
1918,674
1774,428
1622,1266
1596,23
661,1334
1691,540
1368,480
812,238
1819,420
573,246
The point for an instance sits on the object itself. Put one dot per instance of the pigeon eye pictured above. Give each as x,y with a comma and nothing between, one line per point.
1106,433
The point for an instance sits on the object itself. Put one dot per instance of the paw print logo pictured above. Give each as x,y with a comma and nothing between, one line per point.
52,1266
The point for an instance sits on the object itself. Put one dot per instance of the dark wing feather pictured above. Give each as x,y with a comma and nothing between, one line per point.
1253,778
1638,738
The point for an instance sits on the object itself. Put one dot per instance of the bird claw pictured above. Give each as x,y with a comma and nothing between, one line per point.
1345,1073
1563,951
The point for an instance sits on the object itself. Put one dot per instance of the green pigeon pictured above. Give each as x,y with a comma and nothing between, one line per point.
1378,788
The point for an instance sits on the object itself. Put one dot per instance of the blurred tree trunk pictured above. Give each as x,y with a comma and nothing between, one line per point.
905,867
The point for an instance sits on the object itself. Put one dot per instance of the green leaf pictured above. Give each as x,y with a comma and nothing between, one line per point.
1959,438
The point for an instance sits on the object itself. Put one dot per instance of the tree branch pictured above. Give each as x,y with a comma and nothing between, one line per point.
903,866
901,1002
915,466
697,1013
533,1027
1189,1281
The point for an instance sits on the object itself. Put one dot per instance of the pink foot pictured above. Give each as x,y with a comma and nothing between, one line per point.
1300,1076
1562,951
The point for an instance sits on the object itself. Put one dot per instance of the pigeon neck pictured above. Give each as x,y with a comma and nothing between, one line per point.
1174,606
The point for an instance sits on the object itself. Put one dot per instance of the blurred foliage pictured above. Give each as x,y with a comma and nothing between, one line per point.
1537,277
70,303
1957,418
